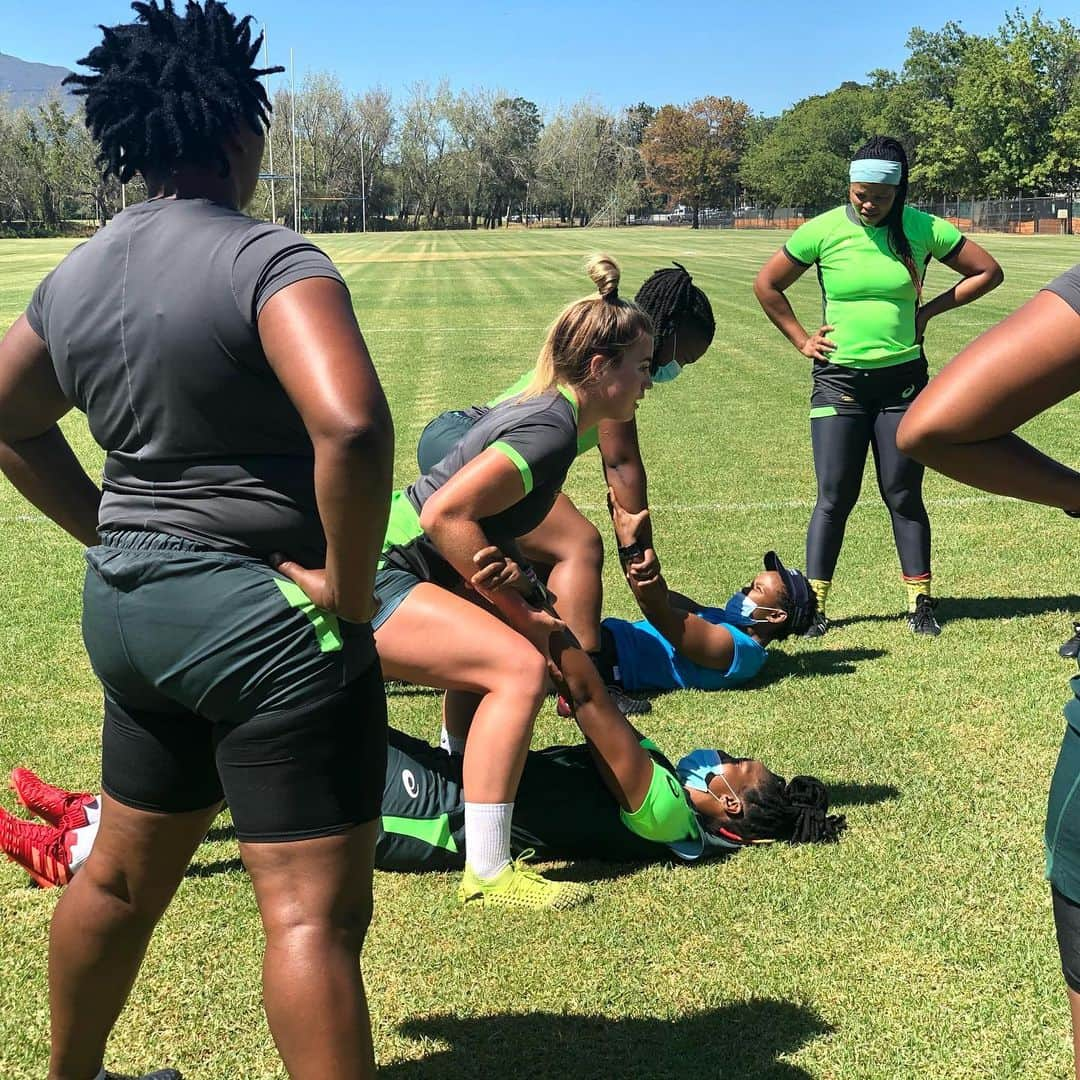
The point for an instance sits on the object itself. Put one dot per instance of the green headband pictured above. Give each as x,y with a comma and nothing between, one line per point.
875,171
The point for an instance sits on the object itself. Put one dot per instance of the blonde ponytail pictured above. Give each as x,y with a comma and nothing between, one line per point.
601,323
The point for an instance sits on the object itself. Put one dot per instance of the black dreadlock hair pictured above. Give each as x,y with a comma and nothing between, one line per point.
670,295
170,88
793,810
887,149
798,621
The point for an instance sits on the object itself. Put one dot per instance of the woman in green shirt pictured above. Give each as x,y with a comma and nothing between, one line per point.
871,256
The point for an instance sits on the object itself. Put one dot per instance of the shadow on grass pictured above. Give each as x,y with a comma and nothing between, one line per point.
219,833
982,607
861,794
218,866
742,1040
805,665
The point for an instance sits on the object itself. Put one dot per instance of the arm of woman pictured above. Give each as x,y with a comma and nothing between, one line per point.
451,518
314,346
772,281
624,472
979,272
34,455
962,423
690,636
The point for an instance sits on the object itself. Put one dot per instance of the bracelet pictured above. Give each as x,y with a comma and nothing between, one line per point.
629,553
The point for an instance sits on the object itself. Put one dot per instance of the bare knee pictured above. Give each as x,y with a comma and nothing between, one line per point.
522,671
589,546
296,924
919,437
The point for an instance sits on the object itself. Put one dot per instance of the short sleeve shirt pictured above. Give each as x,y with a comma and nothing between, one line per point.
1067,286
648,661
868,295
587,440
538,435
151,327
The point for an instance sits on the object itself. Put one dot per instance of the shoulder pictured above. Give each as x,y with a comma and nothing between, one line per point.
806,242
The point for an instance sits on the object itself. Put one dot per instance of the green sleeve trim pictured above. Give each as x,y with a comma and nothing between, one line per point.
665,816
326,625
822,410
518,460
648,744
435,832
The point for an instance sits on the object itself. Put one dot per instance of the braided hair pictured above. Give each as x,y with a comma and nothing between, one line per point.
798,619
795,811
169,89
885,148
670,296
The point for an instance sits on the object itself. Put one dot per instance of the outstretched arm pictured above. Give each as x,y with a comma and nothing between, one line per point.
962,424
624,472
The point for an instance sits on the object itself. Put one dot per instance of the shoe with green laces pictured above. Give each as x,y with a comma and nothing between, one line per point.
518,886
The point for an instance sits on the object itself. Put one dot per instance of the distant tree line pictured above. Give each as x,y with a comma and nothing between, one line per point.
981,115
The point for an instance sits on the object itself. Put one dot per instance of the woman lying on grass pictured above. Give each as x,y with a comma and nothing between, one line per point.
708,805
681,644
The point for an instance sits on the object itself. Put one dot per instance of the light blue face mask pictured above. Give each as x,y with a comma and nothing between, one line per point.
695,769
739,610
672,369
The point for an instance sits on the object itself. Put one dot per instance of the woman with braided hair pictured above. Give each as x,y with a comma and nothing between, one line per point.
565,810
220,366
868,360
565,546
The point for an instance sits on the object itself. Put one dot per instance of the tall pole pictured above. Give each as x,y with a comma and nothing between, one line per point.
270,138
363,184
292,104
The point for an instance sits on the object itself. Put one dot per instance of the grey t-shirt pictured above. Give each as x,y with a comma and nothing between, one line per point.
151,327
1067,286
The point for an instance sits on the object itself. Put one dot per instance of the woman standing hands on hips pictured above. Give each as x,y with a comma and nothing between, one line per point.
868,361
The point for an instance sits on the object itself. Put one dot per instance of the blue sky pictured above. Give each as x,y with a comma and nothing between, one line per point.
770,55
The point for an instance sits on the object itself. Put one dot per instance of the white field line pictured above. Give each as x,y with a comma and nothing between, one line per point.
681,508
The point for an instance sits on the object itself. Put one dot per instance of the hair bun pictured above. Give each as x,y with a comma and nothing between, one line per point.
605,273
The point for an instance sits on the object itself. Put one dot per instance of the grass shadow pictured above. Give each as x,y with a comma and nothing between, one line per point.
981,607
815,664
219,833
861,794
218,866
748,1037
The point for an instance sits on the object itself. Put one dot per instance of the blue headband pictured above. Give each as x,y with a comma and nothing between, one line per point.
875,171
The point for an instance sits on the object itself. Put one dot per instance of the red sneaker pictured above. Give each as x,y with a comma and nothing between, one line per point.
43,851
55,805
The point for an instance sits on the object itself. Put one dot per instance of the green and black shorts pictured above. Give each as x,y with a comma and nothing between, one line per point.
842,390
222,680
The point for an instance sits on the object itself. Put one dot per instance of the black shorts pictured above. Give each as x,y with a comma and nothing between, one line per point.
222,681
839,389
1067,925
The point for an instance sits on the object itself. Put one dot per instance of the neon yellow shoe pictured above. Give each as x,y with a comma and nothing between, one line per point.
518,886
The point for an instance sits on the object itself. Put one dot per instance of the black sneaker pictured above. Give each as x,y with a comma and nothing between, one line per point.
818,627
1071,648
922,620
628,706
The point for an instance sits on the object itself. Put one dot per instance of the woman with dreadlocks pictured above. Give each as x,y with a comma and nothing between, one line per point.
868,360
566,547
220,366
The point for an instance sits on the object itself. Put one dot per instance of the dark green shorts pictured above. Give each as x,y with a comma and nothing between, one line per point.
839,389
1062,837
440,436
222,679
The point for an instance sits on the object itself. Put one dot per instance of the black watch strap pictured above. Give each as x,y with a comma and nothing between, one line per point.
631,552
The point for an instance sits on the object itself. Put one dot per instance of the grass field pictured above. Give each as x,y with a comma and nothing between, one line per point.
921,945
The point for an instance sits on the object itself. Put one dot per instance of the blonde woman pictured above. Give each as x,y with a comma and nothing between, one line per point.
491,651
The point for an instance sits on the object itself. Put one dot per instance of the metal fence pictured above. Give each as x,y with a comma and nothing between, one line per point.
1054,215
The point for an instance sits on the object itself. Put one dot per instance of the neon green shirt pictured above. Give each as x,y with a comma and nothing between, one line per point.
867,293
586,439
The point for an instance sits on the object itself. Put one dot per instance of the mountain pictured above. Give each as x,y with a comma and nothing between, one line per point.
24,85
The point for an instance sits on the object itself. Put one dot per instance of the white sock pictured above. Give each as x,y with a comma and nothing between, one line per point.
487,837
451,743
84,841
